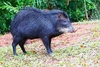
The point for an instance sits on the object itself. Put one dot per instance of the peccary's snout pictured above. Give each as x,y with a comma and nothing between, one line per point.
72,29
69,29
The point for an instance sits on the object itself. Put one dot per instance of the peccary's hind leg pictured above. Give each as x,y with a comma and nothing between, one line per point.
16,41
21,44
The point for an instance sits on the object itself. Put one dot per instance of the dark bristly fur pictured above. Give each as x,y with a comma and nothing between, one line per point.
31,23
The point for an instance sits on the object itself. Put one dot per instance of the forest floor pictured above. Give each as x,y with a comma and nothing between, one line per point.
78,49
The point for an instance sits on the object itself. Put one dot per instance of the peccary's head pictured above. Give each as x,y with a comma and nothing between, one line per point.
63,24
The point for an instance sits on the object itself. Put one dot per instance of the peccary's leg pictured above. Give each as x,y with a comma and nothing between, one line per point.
16,41
47,43
21,44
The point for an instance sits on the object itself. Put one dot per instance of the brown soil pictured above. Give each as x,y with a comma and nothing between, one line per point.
67,38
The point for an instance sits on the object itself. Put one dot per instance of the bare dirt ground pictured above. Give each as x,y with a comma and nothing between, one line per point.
68,38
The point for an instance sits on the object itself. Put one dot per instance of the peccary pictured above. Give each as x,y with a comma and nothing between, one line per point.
31,23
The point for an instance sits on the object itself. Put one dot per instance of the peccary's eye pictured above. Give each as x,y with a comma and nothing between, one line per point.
64,22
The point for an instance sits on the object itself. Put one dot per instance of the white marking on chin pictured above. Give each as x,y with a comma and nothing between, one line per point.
64,30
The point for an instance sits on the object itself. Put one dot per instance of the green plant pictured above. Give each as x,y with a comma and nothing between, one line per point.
10,8
78,10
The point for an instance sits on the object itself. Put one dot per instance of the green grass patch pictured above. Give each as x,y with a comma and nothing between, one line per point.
78,55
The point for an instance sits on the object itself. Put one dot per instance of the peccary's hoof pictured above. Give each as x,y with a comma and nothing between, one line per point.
51,54
25,53
15,54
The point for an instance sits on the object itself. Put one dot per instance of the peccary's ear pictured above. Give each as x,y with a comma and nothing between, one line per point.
60,16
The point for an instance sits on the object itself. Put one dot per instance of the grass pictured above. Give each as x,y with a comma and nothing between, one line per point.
83,54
